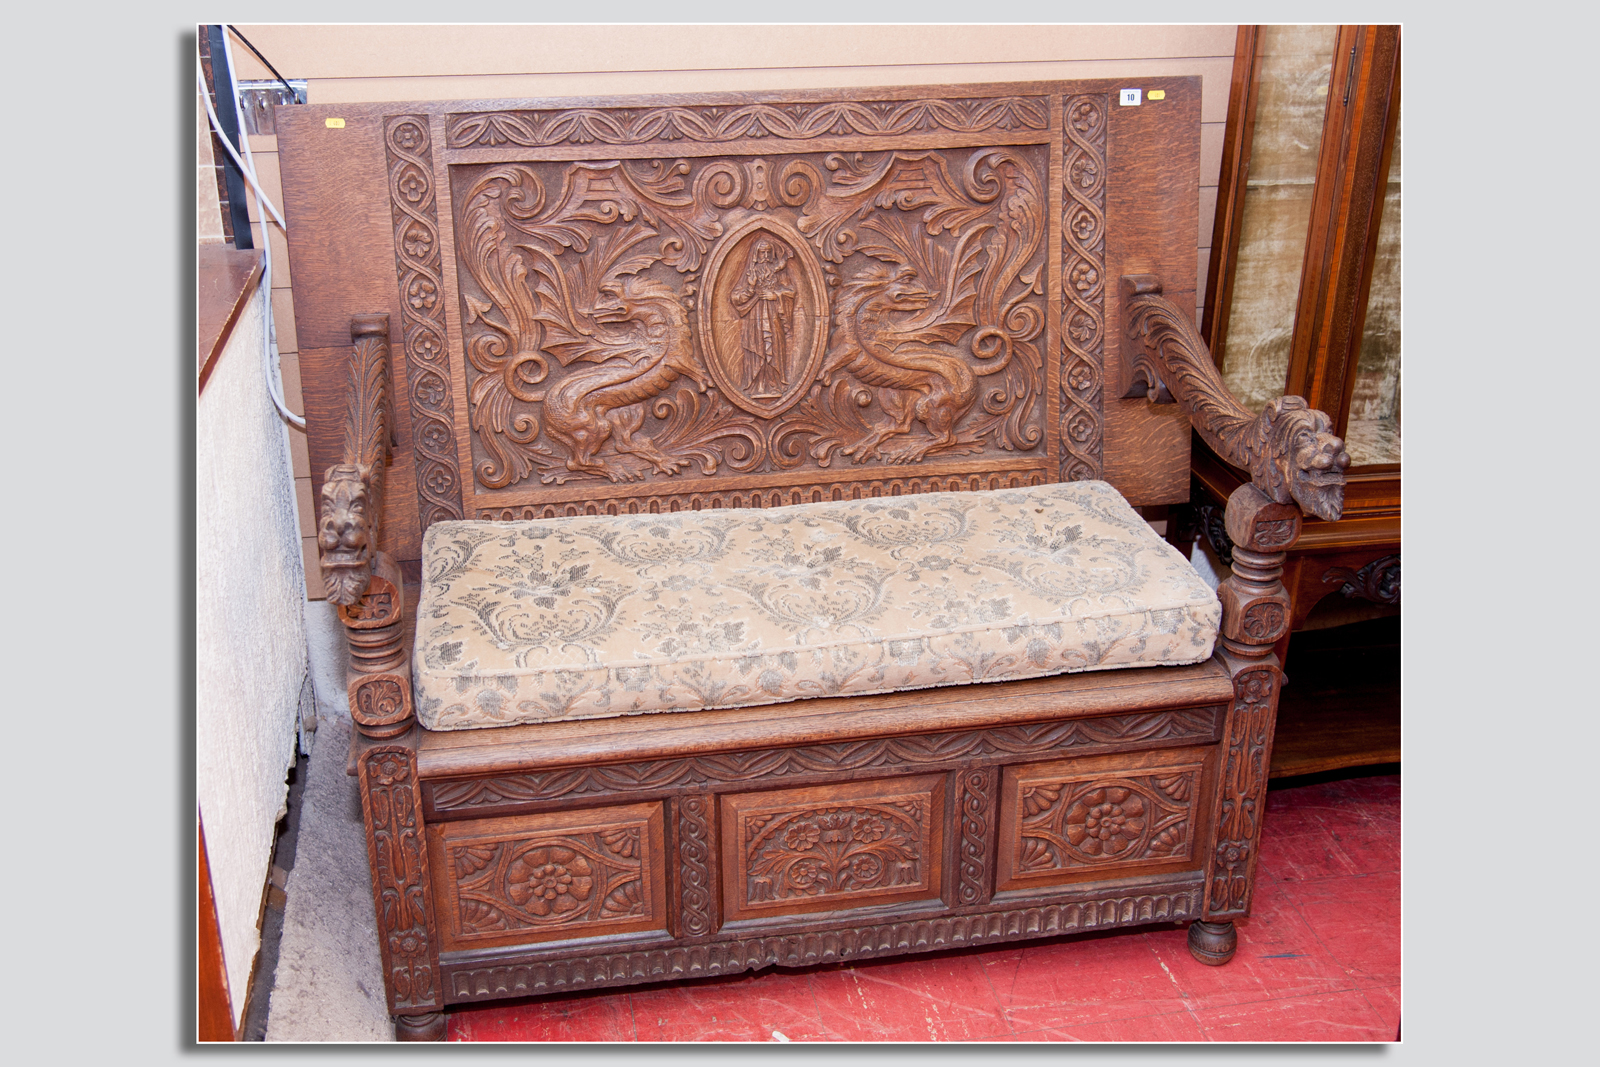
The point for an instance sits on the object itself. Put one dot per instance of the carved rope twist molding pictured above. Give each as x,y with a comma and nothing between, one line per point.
419,266
624,126
977,816
915,751
1083,287
400,882
694,868
1242,792
799,950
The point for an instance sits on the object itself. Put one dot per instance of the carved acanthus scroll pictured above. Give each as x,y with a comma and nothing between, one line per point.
631,320
1287,448
352,489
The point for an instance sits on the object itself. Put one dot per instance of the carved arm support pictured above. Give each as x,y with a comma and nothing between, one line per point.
363,581
352,489
1287,448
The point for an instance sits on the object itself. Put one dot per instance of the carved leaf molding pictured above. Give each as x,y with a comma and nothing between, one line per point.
915,751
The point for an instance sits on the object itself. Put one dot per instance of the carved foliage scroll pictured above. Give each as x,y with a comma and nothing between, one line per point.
1242,793
660,319
1083,268
400,886
1378,581
805,849
418,265
802,122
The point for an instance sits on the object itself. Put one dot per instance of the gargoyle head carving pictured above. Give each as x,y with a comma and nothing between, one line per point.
1309,462
344,533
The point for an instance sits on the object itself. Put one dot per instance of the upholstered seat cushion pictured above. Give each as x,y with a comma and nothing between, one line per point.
594,616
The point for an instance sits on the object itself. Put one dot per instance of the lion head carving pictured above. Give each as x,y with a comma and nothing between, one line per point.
344,533
1308,462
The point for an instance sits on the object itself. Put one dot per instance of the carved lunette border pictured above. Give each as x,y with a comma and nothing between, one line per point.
714,123
1195,724
469,982
418,265
1083,268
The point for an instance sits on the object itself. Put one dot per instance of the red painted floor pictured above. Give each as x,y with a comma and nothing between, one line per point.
1319,960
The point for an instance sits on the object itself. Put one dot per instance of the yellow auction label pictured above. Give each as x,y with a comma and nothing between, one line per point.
335,124
1156,94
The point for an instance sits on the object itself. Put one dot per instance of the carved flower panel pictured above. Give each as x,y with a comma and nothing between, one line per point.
817,849
541,878
1077,819
676,320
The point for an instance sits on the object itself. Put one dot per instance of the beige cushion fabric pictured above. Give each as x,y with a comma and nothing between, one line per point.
577,618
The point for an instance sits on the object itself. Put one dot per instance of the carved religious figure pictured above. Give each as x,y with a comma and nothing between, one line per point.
764,299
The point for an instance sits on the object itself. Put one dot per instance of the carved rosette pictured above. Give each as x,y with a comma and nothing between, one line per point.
1195,725
1076,824
418,266
696,913
546,880
1242,792
798,122
1083,287
977,819
400,886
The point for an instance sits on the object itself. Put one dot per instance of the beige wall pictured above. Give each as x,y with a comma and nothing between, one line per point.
366,63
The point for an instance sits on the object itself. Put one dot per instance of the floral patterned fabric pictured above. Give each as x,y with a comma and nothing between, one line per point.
588,617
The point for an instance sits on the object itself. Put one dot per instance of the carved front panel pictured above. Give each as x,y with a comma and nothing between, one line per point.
831,848
1076,820
548,877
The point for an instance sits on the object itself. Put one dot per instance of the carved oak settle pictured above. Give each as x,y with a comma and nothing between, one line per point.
664,305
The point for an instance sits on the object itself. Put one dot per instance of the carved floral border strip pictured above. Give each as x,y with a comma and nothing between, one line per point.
1083,268
629,126
418,265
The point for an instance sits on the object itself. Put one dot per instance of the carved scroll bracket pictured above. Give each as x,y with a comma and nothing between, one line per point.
1286,448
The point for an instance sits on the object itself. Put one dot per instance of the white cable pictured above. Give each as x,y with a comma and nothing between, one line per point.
263,205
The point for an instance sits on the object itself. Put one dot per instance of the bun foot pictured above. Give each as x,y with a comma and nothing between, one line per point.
1212,943
429,1027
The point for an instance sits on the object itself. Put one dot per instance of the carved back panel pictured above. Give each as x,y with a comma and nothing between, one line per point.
649,304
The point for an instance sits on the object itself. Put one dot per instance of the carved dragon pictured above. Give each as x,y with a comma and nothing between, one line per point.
642,345
1286,448
352,490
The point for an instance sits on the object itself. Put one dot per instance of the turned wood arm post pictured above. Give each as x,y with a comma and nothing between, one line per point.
1295,465
363,581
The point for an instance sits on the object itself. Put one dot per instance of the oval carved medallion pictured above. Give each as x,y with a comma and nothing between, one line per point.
763,317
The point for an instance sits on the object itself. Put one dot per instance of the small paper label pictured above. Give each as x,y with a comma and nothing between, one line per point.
1157,94
335,124
1131,97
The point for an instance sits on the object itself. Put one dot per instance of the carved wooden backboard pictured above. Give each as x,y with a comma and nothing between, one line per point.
658,303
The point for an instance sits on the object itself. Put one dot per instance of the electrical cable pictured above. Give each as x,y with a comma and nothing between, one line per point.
292,94
263,205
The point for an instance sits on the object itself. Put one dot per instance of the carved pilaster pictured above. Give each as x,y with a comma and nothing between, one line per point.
391,806
974,879
696,888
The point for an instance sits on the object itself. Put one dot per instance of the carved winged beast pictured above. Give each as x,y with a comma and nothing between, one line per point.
642,345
